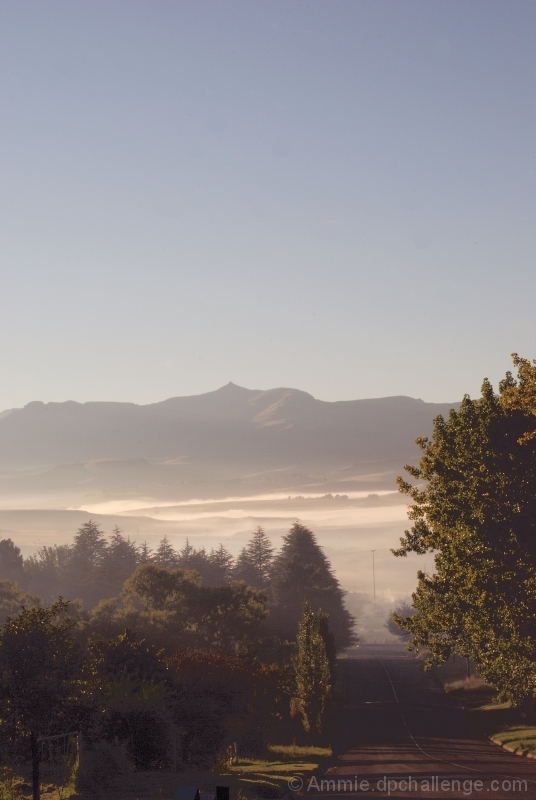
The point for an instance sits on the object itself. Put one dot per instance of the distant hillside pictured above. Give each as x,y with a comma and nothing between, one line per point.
230,430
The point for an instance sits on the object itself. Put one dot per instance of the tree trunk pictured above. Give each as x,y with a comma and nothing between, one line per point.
36,793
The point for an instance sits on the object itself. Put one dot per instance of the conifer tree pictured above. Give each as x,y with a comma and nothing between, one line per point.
185,555
243,569
313,671
119,562
255,560
300,571
260,553
165,555
144,553
86,558
220,567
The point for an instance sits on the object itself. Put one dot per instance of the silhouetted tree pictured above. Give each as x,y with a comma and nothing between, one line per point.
165,554
47,572
144,553
84,569
119,561
255,560
301,571
40,670
172,609
11,562
243,568
13,600
219,567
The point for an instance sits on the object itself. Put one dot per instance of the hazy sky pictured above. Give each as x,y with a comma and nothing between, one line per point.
335,196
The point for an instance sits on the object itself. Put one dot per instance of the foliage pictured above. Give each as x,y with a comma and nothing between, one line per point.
13,600
254,563
47,572
41,669
301,571
313,670
11,562
403,610
136,713
477,512
128,657
221,698
171,609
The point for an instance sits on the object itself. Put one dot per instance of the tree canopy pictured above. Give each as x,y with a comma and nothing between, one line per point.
40,675
474,506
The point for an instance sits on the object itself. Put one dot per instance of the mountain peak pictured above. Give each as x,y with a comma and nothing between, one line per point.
235,389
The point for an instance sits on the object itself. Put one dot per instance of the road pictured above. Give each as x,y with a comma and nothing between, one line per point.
401,736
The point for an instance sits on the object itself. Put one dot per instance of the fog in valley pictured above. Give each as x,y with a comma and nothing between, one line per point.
211,468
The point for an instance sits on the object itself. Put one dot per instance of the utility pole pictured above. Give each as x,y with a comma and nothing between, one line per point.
373,574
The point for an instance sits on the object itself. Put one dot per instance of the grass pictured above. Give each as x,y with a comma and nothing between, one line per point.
506,725
279,763
248,779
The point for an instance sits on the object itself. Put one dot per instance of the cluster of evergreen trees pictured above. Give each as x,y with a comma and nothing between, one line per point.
101,573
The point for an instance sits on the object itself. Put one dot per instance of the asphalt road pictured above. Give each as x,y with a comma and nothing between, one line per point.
401,736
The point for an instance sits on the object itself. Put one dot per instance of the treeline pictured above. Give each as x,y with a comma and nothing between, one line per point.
179,597
174,668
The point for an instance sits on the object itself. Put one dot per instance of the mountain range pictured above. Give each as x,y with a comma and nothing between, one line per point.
233,434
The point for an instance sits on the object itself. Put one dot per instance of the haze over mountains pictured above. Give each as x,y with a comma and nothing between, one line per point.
224,434
208,466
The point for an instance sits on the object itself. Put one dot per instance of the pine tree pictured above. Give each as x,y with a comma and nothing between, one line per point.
144,553
220,563
165,555
260,553
185,555
255,560
87,555
243,569
118,564
313,671
300,571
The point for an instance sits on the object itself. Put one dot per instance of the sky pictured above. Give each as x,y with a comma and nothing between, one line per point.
335,196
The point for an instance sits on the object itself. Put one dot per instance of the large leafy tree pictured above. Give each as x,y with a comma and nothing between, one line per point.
41,666
173,609
301,571
474,506
13,600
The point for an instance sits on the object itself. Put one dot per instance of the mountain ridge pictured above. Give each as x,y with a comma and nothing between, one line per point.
243,428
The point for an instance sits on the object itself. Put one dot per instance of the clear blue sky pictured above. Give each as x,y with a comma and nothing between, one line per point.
336,196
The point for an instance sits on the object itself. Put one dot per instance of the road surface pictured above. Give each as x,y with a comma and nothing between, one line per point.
401,736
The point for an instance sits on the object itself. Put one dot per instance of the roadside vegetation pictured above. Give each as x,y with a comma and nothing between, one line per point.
177,672
474,508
